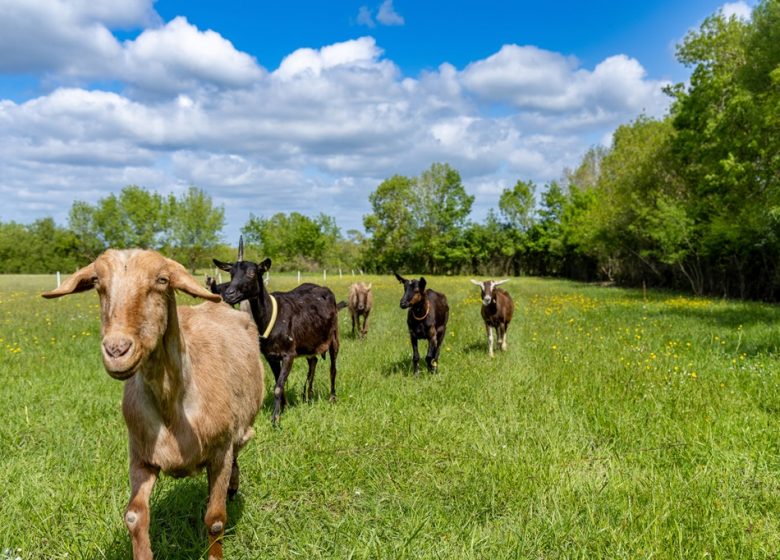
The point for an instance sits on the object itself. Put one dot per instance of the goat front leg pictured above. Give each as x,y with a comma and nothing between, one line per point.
137,515
364,331
490,339
219,471
434,347
276,368
279,399
355,319
333,352
502,337
415,356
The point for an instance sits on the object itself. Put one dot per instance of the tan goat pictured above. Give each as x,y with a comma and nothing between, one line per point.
193,379
360,301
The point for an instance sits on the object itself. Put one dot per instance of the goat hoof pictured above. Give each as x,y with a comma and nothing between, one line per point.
216,528
332,398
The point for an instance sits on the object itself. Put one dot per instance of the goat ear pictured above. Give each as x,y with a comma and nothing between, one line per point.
222,265
421,284
401,279
266,264
476,282
81,281
181,280
369,286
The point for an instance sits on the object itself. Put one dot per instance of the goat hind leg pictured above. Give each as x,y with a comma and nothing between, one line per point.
440,338
307,387
234,472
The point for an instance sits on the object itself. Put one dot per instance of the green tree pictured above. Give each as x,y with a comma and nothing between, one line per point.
392,225
419,223
135,218
294,241
195,227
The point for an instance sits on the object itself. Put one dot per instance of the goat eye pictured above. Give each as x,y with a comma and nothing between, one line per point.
162,280
250,273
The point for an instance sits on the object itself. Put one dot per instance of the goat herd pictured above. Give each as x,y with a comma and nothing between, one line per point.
194,377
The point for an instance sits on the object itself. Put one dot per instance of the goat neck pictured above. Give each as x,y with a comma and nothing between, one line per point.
166,373
421,309
261,305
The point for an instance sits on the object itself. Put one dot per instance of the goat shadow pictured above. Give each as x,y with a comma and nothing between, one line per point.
177,531
404,367
476,346
296,381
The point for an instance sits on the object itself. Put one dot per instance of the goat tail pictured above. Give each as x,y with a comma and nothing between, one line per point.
341,305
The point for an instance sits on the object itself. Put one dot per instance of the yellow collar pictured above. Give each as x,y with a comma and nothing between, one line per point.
427,310
273,318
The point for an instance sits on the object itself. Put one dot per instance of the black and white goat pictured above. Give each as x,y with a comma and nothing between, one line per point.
497,309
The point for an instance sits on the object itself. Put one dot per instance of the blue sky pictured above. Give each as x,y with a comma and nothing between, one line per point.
307,106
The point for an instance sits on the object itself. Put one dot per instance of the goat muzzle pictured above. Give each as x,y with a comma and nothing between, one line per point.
119,356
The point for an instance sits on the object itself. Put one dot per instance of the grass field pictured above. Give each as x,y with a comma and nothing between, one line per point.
617,425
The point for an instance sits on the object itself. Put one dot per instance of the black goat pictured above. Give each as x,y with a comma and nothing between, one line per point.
301,322
427,318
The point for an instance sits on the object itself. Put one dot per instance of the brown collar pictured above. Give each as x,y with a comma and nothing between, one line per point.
427,310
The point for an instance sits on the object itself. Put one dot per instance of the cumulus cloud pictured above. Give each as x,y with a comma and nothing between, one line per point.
739,10
74,41
529,78
179,56
318,133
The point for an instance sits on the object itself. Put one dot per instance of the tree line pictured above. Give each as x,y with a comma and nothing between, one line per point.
690,201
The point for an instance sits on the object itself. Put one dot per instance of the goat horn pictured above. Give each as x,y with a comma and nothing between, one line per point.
501,282
475,282
240,248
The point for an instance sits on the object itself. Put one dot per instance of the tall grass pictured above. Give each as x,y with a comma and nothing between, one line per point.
617,425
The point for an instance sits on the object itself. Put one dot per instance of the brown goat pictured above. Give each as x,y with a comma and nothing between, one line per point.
193,380
497,309
426,319
360,301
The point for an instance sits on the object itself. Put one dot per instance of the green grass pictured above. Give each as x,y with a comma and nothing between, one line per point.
616,426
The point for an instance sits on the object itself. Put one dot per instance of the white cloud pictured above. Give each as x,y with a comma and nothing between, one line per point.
739,10
533,79
178,56
361,52
73,41
387,14
316,134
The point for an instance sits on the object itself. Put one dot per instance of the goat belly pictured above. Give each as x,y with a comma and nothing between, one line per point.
419,330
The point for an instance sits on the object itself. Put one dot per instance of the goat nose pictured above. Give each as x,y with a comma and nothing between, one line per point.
116,346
